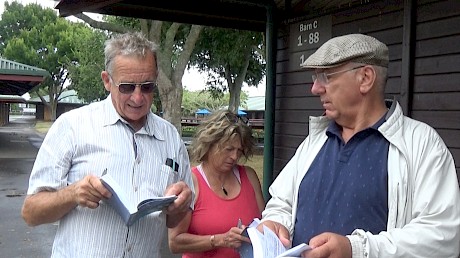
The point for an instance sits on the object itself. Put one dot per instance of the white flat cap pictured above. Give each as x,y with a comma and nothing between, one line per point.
357,48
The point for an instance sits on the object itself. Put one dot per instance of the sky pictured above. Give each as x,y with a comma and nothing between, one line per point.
192,79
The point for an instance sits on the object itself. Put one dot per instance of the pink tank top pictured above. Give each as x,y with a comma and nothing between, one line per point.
213,215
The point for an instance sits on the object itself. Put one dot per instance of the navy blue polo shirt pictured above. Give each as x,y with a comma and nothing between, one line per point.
346,186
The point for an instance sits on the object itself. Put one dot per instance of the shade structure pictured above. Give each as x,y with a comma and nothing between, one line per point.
17,78
203,111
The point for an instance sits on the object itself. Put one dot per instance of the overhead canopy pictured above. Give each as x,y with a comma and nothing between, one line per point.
255,103
67,96
222,13
17,78
12,99
237,14
241,112
203,111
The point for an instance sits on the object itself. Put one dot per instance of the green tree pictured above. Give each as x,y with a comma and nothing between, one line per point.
85,71
16,18
176,42
230,57
194,100
49,45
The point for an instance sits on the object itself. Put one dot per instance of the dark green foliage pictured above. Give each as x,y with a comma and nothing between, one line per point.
85,72
224,51
35,36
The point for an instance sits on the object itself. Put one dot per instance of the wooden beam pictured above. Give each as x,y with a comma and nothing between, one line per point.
21,78
408,55
71,7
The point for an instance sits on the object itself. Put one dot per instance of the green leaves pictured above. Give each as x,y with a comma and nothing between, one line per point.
17,18
38,37
85,72
230,58
194,100
224,51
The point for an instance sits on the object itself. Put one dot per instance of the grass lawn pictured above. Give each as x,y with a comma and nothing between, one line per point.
42,126
257,163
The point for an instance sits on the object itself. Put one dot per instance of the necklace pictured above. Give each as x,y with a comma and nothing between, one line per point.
221,183
223,189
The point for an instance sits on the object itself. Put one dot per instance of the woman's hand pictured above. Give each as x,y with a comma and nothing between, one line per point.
231,239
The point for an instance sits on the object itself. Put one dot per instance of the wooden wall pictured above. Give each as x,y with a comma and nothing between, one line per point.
4,113
428,84
436,93
43,113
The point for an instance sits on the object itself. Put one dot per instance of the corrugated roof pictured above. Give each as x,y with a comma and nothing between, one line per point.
17,78
12,99
256,103
11,67
68,96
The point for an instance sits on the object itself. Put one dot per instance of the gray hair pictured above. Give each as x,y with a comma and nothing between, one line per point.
381,76
221,127
382,73
128,44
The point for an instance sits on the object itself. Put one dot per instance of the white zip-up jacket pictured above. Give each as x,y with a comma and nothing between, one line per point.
423,191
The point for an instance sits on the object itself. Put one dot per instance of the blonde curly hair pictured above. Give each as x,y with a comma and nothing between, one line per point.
219,128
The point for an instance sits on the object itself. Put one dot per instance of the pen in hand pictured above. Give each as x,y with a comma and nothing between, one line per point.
240,223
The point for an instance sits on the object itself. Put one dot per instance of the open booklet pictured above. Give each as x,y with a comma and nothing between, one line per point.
267,244
128,211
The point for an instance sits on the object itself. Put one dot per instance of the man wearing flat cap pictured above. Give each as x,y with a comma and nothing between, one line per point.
367,181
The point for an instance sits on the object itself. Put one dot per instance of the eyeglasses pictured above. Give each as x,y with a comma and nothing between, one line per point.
323,77
233,118
128,88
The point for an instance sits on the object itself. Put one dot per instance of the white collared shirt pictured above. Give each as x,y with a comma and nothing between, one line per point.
90,139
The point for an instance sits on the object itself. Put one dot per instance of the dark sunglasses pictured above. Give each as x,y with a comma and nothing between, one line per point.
233,118
128,88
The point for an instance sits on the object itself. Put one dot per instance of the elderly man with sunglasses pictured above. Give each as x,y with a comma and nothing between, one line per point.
367,181
121,136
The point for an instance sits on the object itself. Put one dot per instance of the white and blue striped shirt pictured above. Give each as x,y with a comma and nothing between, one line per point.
90,139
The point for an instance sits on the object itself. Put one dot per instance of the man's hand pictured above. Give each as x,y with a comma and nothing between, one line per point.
280,230
89,191
177,210
329,245
50,206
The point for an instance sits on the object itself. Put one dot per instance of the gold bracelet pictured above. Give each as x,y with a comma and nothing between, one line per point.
211,239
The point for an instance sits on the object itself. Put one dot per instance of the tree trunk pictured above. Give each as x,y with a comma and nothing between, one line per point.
171,63
235,87
170,77
235,92
171,100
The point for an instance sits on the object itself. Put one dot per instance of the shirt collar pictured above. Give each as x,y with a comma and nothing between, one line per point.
336,129
151,127
111,116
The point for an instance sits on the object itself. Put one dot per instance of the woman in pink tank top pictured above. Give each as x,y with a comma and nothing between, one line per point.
227,195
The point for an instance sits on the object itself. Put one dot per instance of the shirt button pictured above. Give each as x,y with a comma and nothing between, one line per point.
135,189
138,160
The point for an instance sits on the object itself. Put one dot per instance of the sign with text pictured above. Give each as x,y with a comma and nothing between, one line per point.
310,34
307,36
